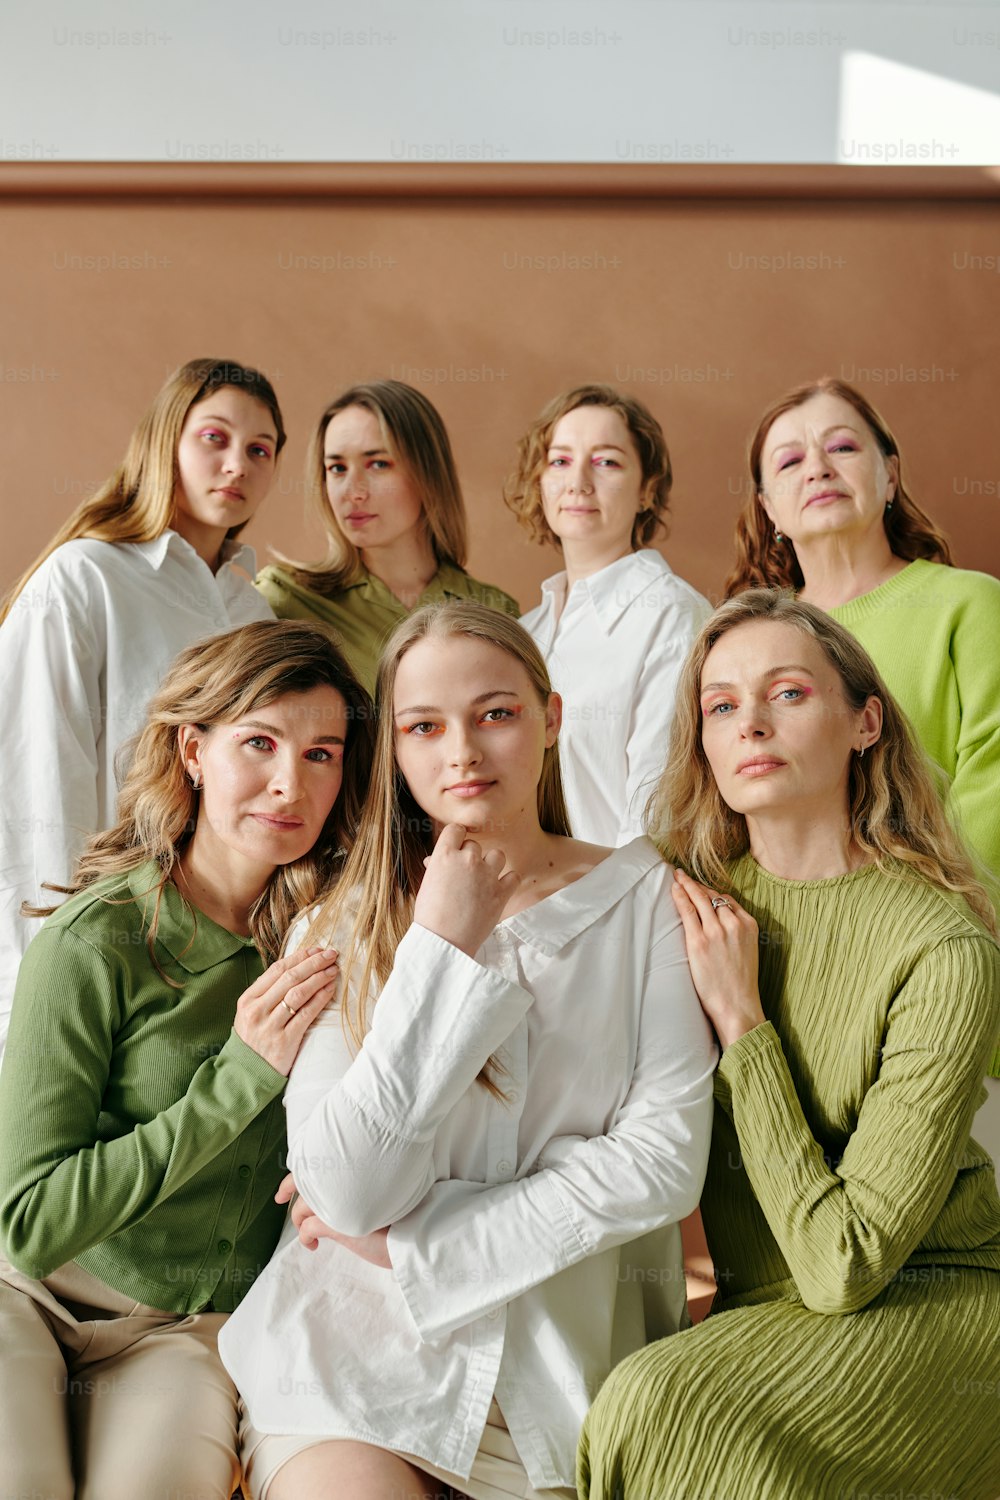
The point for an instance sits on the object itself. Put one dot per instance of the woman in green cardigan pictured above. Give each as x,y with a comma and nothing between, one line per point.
847,958
154,1025
383,484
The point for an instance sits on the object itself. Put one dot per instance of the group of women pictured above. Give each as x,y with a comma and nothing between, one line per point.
586,919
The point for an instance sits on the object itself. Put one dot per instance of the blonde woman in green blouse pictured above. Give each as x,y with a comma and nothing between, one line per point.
153,1029
383,483
847,959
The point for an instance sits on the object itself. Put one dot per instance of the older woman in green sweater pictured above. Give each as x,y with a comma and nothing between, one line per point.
828,513
154,1025
847,958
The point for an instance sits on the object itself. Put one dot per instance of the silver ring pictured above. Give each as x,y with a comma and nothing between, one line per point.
720,901
287,1007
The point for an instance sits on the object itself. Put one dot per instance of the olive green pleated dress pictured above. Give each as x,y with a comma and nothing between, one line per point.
854,1347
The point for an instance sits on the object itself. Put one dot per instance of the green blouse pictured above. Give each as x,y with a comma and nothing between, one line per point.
139,1136
365,613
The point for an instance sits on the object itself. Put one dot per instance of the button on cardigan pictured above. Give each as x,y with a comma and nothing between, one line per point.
81,652
139,1136
528,1235
615,644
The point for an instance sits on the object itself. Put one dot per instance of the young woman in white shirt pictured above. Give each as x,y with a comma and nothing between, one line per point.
494,1131
145,567
593,478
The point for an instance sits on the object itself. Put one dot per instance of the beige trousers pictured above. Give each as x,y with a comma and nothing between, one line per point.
103,1398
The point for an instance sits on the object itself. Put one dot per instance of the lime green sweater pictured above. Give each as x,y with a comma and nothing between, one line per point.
934,634
840,1149
139,1135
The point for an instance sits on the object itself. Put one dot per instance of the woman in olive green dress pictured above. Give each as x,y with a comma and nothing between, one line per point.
384,485
846,956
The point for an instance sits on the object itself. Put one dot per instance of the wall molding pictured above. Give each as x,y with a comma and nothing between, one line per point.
236,181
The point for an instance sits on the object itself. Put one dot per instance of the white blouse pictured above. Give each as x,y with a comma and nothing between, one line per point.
81,653
533,1240
615,645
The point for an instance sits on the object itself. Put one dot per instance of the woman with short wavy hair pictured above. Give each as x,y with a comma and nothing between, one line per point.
846,956
593,479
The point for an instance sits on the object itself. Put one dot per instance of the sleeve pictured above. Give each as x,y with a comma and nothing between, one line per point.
846,1231
977,755
653,702
62,1189
468,1248
361,1128
51,670
280,598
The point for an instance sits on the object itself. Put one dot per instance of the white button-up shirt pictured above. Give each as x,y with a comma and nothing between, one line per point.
512,1272
615,644
81,653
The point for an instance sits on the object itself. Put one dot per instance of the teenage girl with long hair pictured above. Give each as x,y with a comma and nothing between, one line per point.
148,565
495,1127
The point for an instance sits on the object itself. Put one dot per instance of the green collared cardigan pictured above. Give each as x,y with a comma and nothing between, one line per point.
139,1136
365,613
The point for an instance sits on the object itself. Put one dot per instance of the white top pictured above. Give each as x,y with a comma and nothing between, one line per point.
615,646
81,653
509,1220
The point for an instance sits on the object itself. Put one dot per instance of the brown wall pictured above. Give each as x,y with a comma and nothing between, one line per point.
493,290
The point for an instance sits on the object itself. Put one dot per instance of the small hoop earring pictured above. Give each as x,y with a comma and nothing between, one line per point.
861,753
195,782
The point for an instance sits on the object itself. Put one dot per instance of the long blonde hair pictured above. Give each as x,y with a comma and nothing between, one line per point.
214,682
523,492
382,874
136,504
896,811
415,435
764,561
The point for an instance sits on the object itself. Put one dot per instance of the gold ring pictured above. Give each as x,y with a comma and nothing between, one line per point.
287,1007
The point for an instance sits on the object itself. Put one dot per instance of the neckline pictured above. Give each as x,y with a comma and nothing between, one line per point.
899,583
824,882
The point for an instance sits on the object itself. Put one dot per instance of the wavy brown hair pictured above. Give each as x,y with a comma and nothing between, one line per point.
374,898
136,504
415,435
763,561
896,810
523,491
220,681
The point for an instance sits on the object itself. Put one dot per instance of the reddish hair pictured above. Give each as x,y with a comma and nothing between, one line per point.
764,562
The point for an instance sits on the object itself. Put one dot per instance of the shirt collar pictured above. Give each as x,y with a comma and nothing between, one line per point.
556,921
193,940
613,589
448,582
234,553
